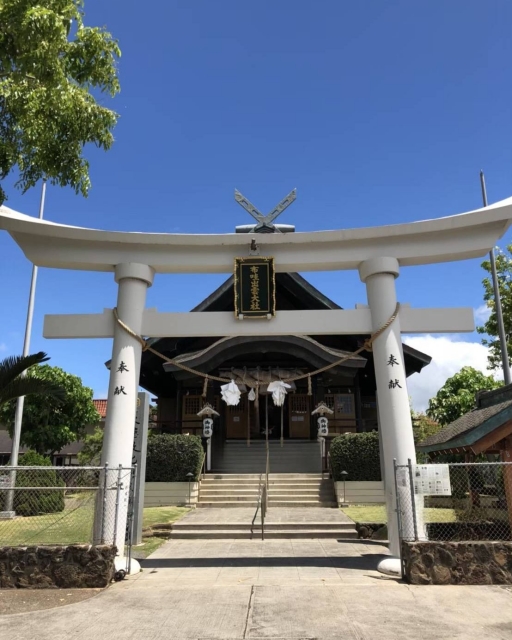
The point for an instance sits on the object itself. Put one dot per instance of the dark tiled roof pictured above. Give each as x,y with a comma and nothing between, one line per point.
6,443
464,424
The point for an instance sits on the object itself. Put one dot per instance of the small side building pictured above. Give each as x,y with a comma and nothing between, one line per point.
485,430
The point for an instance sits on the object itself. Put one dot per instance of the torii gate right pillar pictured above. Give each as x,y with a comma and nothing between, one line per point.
394,411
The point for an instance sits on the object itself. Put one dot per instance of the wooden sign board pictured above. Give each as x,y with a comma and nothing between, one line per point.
255,288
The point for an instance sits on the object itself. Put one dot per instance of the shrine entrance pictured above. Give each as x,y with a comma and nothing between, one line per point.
378,254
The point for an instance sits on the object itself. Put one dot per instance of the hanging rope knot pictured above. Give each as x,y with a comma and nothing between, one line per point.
310,387
367,345
144,344
205,387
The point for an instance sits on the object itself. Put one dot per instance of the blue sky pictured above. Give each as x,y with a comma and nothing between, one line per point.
377,112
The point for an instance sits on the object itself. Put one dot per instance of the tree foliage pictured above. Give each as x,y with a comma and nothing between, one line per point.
49,423
91,451
423,427
14,384
490,328
457,396
50,64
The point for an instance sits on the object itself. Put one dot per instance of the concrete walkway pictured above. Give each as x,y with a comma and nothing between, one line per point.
277,589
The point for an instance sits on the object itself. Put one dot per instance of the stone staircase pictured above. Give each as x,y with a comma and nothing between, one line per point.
285,490
295,456
184,530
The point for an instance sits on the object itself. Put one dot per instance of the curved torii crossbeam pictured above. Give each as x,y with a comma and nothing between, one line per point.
459,237
377,252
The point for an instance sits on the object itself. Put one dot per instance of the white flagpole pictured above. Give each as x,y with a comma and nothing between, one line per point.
497,299
26,348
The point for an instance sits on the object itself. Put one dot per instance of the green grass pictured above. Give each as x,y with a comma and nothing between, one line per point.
159,515
74,525
377,513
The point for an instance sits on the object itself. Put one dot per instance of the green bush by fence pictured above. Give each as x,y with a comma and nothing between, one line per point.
34,502
358,455
171,457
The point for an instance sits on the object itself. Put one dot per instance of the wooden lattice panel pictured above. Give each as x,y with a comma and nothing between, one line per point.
299,403
344,405
191,406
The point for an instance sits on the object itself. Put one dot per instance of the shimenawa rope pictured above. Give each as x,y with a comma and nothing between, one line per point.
367,346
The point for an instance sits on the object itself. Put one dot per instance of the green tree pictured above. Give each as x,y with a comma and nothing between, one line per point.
457,396
48,423
50,64
422,428
91,451
490,328
14,384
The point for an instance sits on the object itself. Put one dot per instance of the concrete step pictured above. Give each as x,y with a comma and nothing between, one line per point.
229,497
214,475
271,526
226,504
342,534
301,503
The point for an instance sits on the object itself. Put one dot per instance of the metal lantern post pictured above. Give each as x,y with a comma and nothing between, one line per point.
344,475
322,410
207,413
190,475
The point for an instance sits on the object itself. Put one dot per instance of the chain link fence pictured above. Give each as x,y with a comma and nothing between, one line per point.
65,505
457,502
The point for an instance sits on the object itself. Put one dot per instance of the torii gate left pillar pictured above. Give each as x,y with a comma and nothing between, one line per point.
133,281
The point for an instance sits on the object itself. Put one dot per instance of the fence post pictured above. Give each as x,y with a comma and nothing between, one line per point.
413,500
118,494
104,506
130,519
398,517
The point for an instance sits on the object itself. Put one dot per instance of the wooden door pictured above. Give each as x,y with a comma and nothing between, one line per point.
299,415
236,419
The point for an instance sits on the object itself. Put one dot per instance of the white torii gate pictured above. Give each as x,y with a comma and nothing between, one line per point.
377,253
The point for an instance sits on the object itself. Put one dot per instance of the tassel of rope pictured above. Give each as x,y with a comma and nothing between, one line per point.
205,387
310,387
257,398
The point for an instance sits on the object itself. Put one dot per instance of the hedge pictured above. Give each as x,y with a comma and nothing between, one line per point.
171,457
36,502
358,455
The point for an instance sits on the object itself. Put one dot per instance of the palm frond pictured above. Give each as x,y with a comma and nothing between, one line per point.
14,366
25,386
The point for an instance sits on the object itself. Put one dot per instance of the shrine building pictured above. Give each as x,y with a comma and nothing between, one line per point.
349,389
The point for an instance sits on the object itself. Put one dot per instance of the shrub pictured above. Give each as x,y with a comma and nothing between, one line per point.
36,502
358,454
171,457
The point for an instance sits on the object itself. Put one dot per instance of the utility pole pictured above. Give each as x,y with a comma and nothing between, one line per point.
26,348
497,300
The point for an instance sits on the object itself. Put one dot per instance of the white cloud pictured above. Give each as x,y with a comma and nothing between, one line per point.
3,347
482,314
449,355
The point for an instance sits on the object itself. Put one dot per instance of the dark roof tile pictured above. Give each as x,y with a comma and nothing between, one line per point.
464,424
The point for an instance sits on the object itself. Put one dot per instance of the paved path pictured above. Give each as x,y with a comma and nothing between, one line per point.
277,589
